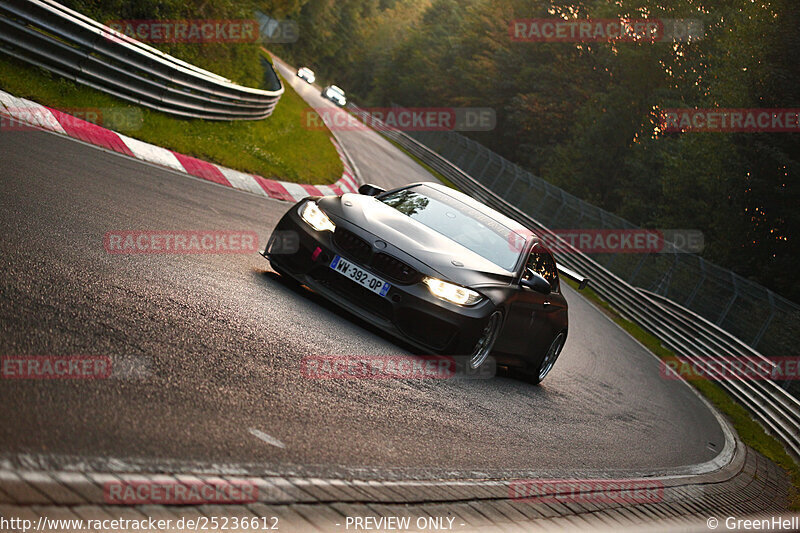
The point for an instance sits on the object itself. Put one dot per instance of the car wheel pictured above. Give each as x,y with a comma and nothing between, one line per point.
549,359
486,341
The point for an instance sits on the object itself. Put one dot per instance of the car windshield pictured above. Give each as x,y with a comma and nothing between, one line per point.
469,227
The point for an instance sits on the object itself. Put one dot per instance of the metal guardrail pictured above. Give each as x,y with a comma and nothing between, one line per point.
690,336
56,38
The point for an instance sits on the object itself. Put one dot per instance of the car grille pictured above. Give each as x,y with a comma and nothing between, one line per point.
394,269
352,244
384,264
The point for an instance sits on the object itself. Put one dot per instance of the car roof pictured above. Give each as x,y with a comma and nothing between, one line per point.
335,88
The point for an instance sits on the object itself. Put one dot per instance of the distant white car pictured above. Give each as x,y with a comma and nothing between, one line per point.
307,74
335,95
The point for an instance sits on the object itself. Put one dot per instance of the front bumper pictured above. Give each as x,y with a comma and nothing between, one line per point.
408,311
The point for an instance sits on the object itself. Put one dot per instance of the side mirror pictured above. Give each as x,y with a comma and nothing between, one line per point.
536,283
370,190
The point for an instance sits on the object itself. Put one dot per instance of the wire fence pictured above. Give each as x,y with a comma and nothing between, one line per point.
754,314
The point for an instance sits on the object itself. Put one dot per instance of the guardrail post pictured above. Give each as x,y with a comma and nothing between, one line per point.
730,303
696,289
560,208
500,173
666,279
513,181
461,155
638,267
485,168
765,325
474,160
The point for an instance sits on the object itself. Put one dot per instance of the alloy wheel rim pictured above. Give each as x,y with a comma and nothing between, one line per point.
550,357
485,343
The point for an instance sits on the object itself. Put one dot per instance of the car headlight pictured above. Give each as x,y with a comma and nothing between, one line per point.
314,217
452,292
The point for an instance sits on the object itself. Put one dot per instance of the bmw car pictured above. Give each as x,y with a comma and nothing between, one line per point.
432,267
335,95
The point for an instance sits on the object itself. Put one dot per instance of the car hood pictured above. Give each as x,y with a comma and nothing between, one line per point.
426,245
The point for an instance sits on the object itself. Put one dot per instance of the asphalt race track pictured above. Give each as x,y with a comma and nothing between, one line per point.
213,344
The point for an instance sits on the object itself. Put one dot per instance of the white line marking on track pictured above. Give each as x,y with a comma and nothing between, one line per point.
266,438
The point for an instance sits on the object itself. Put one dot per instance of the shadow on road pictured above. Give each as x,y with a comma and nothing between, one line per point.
292,288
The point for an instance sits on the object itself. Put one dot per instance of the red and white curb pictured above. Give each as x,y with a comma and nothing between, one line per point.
37,115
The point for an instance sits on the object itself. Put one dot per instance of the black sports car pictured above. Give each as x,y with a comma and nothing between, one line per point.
433,267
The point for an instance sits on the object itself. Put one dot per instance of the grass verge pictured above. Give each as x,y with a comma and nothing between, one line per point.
278,147
750,432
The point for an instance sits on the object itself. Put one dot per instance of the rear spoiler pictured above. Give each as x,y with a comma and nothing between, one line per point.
574,276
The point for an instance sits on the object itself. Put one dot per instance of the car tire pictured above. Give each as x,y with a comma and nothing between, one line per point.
548,361
485,343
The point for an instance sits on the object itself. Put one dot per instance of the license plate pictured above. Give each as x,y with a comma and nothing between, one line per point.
360,276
